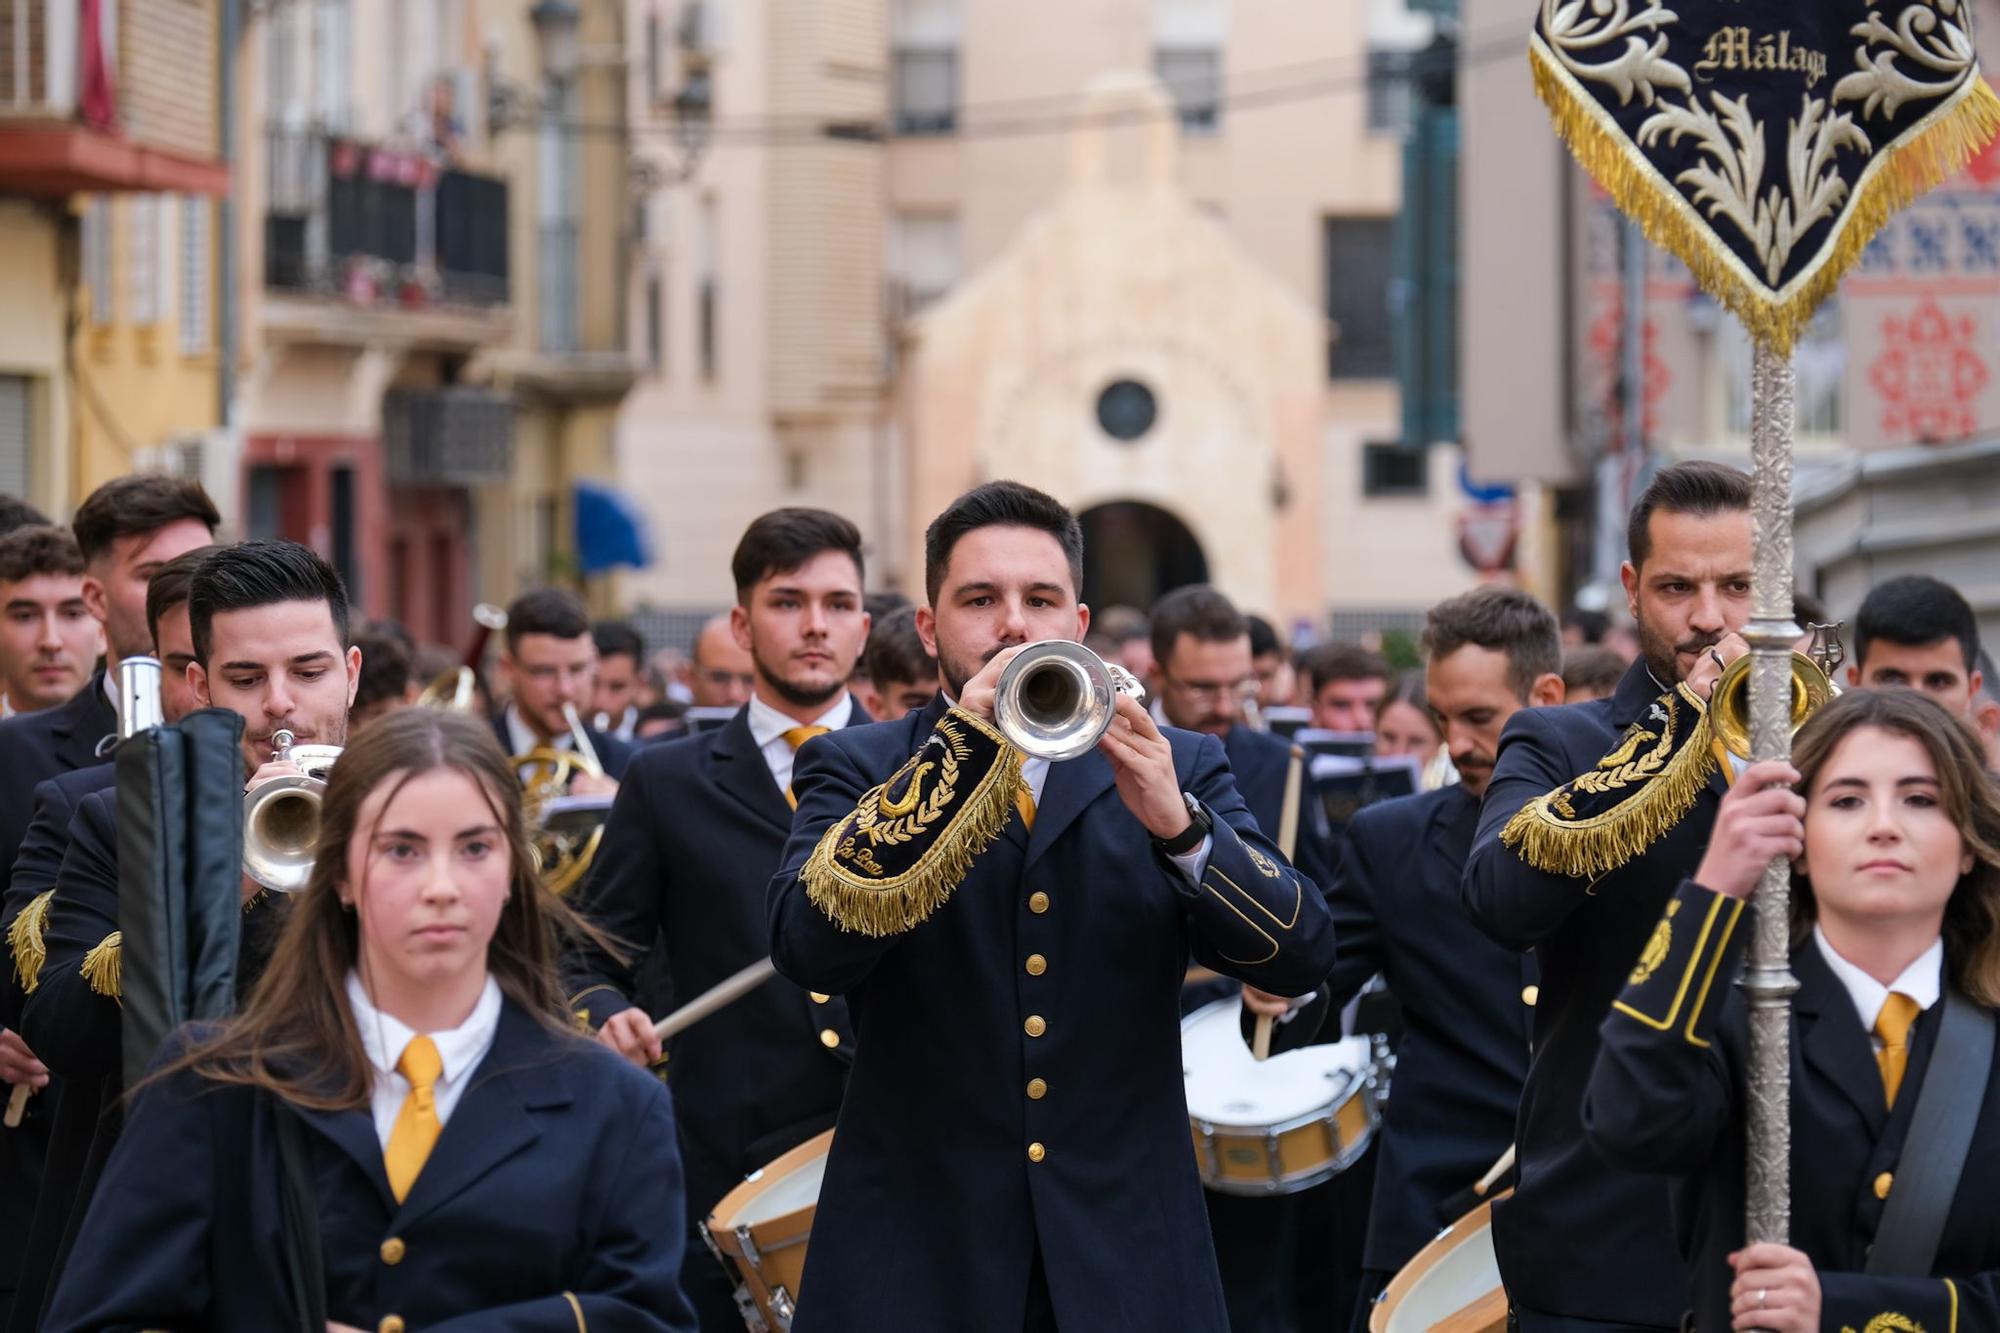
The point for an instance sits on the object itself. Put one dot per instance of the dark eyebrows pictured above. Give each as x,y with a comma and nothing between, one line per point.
314,658
1913,780
411,835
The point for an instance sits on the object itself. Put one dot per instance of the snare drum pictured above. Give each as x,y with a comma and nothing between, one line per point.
1452,1284
1279,1126
759,1232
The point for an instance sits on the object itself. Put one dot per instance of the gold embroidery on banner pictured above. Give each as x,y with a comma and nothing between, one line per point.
1735,48
1888,1322
903,825
907,802
1657,948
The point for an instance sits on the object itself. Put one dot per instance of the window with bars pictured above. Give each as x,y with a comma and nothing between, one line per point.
196,294
1358,264
143,269
96,246
1391,469
926,91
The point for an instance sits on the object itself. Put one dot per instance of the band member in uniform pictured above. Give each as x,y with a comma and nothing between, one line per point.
720,672
1201,668
1465,1001
402,1102
900,668
698,828
268,625
1542,875
49,641
1894,828
621,663
550,660
1344,686
1013,1152
125,529
1277,679
1919,632
1403,725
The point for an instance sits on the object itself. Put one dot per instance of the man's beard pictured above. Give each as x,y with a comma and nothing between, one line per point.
958,673
800,694
1663,657
325,731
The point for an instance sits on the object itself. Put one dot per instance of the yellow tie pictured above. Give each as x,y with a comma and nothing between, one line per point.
1024,805
1892,1025
417,1127
796,737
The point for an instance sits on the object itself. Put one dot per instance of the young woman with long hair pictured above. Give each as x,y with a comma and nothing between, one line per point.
1893,827
401,1128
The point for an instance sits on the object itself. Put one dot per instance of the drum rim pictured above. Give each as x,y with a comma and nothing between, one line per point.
721,1219
1424,1260
1267,1185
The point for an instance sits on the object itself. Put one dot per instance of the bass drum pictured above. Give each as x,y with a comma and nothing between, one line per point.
1453,1284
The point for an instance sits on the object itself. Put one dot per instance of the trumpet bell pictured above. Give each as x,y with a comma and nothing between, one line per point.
281,820
1055,699
1811,685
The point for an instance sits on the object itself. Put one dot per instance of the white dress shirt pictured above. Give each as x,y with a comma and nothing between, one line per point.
1922,981
460,1049
768,727
522,737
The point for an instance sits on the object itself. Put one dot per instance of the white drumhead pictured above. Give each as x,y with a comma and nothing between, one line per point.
1464,1274
1227,1086
786,1195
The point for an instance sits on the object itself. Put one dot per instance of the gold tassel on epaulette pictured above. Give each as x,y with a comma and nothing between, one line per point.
898,858
103,967
1597,822
24,937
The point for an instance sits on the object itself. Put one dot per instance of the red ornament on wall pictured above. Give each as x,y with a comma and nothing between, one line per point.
1929,375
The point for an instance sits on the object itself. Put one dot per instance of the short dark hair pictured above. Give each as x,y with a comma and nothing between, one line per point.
260,573
1696,487
140,503
881,605
1199,611
784,539
896,651
1502,620
385,666
1264,638
1000,504
1915,610
1594,668
617,638
171,586
1325,663
18,513
40,549
557,612
1408,688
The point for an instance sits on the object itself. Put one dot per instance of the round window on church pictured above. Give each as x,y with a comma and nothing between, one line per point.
1126,410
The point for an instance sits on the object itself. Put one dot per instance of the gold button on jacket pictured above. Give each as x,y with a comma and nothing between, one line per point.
818,998
1883,1184
393,1251
1038,902
1037,965
1036,1152
1530,994
391,1323
829,1038
1037,1089
1034,1027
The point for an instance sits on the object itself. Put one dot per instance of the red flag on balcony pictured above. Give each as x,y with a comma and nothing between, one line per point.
97,99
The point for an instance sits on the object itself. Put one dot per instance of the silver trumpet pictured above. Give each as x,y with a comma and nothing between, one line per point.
1055,700
281,817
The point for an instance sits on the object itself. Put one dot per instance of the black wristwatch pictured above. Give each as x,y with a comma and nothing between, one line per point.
1199,827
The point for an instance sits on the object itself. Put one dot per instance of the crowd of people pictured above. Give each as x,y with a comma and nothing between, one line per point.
983,957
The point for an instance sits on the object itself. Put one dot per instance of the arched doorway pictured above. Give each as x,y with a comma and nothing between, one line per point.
1133,552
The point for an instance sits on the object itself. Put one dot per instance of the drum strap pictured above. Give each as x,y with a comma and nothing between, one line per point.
1906,1241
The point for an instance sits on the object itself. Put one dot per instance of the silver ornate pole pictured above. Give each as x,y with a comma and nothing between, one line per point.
1768,982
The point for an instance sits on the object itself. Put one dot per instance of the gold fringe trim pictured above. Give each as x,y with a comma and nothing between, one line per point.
1946,139
879,909
1590,848
103,967
24,937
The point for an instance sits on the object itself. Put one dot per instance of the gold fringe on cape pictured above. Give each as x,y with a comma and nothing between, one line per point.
1588,848
880,907
24,937
104,967
1948,137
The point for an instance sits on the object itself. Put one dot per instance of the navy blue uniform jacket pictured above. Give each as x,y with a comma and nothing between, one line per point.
612,753
539,1209
696,831
1261,765
932,1210
1570,1201
1668,1096
1397,911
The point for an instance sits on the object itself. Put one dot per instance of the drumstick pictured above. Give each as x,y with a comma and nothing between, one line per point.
17,1105
1260,1041
719,996
1499,1169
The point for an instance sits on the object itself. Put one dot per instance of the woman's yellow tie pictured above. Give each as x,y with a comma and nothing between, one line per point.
417,1126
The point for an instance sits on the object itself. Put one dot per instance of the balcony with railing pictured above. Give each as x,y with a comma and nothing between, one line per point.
119,95
355,231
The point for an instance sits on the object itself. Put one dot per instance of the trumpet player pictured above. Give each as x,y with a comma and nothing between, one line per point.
550,665
268,624
1013,1150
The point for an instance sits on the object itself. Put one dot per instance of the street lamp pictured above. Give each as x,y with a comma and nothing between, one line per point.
556,23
